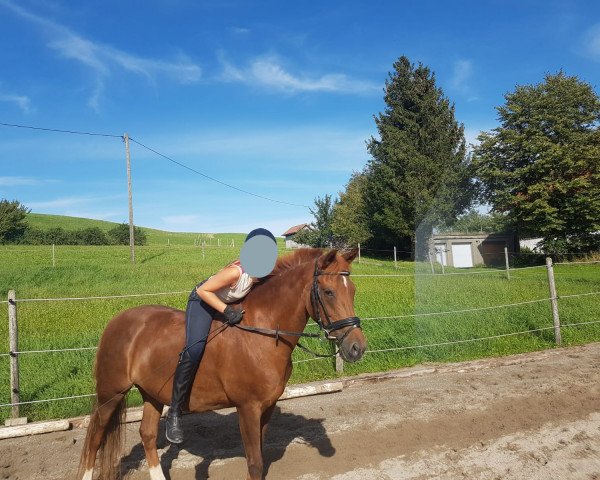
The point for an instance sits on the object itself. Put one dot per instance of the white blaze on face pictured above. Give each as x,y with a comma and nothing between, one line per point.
87,475
345,281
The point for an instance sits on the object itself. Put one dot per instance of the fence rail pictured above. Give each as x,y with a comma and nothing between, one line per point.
14,353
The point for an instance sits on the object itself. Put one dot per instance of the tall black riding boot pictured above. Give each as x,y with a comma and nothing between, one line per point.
182,381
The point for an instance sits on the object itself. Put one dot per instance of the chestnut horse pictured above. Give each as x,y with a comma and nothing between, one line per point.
242,368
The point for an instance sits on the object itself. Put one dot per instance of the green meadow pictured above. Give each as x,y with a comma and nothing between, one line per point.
172,263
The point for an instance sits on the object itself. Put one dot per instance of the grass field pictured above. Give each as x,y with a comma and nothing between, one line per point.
154,237
101,271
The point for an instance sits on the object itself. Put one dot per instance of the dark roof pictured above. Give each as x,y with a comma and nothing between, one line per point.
294,229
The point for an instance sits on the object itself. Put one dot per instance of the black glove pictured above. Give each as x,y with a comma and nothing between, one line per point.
233,315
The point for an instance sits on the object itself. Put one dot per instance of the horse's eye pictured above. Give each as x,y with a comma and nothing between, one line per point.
329,292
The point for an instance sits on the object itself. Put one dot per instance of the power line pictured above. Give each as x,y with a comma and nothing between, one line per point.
74,132
95,134
214,179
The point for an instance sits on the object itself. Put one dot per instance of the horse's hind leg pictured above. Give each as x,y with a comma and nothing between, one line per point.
149,433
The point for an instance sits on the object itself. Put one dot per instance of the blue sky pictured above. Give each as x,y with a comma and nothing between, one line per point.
273,97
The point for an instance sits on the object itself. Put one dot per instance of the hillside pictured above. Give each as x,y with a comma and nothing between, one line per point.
155,237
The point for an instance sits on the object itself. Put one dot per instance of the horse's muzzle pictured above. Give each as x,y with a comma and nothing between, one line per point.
353,346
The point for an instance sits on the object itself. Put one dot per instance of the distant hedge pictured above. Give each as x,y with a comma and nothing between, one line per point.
118,235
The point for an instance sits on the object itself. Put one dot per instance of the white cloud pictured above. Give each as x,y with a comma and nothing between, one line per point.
471,135
239,30
104,59
462,72
21,101
268,72
186,223
70,202
112,215
314,148
591,41
275,225
461,78
22,181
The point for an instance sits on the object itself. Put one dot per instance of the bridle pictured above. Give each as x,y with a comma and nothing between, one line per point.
317,300
327,329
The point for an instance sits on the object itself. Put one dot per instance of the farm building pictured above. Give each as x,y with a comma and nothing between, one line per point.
291,232
464,251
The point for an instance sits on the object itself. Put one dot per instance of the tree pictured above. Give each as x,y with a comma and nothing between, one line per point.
91,236
542,164
13,221
419,173
473,221
119,235
350,222
320,233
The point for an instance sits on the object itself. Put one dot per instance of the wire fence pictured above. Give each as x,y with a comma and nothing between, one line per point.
389,334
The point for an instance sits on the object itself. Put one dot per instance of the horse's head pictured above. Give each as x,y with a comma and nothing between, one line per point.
331,303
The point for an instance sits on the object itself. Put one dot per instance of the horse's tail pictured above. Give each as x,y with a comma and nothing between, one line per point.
104,437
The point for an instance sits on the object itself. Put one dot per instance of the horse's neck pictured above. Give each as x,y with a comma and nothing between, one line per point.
281,303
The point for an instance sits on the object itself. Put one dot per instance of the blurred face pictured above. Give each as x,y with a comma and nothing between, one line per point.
258,255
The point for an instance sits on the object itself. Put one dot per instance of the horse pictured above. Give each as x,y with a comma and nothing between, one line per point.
246,366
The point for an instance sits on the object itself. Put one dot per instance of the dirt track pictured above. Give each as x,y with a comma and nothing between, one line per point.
534,416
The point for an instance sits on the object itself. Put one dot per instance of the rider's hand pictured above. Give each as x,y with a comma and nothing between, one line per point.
233,315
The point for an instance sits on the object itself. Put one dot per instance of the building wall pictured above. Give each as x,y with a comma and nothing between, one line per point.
486,249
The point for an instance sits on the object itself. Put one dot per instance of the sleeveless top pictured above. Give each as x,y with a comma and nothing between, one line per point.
230,294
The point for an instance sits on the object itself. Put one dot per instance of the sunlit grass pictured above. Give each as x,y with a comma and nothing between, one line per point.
100,271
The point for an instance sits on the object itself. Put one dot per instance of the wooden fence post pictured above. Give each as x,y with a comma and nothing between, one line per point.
15,396
554,301
395,259
53,262
203,249
506,263
359,253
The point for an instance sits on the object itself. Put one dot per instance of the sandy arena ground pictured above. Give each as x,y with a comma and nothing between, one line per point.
532,416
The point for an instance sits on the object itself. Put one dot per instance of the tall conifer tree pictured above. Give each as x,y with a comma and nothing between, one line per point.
419,174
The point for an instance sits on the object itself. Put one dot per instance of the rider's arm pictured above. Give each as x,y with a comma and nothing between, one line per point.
226,277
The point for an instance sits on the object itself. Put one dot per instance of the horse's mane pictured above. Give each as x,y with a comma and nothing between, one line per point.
285,264
297,257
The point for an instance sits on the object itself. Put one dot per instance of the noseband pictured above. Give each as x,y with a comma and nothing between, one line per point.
317,300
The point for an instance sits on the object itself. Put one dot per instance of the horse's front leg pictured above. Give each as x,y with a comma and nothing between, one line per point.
250,427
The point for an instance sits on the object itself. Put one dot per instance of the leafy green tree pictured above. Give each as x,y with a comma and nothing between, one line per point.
91,236
419,173
541,166
350,222
473,222
58,236
13,221
320,233
119,235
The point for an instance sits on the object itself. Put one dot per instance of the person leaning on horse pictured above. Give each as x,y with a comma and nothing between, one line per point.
231,284
141,346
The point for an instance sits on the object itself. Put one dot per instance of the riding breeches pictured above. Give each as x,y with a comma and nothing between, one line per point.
198,318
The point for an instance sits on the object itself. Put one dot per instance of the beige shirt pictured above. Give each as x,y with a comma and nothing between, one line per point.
230,294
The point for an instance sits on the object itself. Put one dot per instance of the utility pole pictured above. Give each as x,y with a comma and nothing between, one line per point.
131,232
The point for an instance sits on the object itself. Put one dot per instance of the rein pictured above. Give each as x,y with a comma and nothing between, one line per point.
326,329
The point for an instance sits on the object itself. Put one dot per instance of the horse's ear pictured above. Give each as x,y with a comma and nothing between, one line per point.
350,255
327,259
